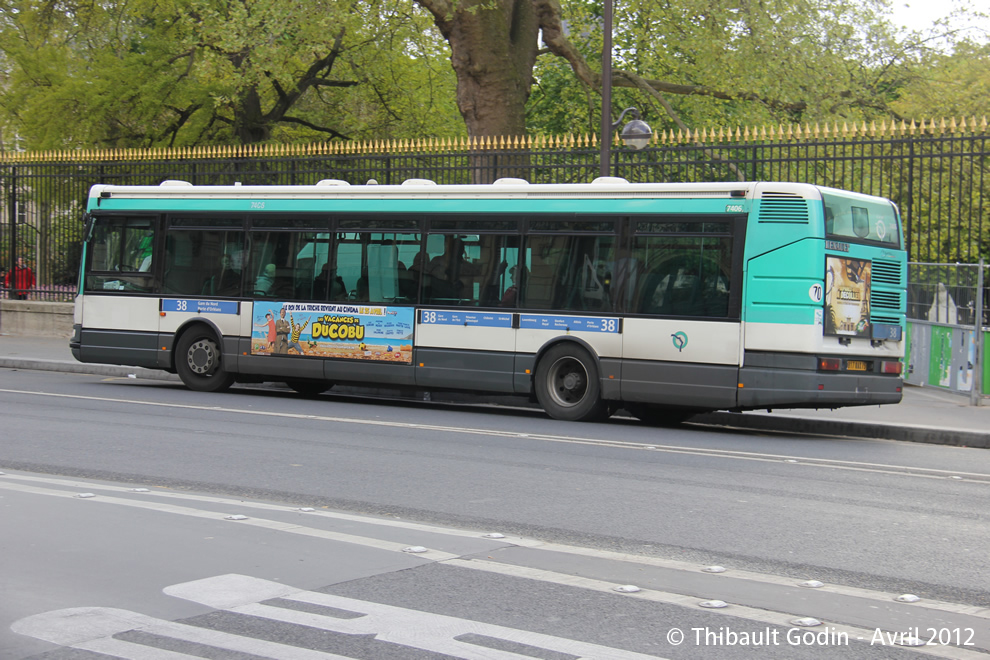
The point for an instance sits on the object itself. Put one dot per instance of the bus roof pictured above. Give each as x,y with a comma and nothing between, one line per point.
606,187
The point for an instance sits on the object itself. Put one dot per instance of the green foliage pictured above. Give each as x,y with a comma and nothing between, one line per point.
146,73
955,84
770,61
191,72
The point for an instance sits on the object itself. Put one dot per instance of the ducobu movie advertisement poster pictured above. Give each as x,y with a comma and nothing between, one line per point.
354,331
847,297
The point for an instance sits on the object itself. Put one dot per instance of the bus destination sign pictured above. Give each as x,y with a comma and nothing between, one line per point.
569,323
200,306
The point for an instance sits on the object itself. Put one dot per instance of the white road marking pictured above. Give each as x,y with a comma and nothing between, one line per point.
93,628
272,525
782,619
8,482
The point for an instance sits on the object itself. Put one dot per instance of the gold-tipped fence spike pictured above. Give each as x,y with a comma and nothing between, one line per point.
961,125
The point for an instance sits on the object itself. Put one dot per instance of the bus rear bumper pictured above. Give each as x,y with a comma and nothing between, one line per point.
785,388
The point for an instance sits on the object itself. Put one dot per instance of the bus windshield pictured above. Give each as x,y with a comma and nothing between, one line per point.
858,220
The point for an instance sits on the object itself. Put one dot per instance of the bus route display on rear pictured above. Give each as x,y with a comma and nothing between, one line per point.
359,332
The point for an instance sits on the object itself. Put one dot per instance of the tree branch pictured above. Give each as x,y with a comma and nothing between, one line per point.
321,129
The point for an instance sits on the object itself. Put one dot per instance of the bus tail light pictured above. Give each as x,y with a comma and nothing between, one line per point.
890,367
829,364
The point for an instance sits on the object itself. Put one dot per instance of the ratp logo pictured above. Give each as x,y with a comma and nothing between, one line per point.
680,341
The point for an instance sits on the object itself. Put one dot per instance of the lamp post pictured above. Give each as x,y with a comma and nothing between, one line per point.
635,134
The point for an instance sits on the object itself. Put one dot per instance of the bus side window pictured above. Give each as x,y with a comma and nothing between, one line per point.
203,262
281,268
122,248
688,276
465,269
369,267
570,272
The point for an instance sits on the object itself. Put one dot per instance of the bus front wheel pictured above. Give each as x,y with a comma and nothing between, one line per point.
200,363
567,385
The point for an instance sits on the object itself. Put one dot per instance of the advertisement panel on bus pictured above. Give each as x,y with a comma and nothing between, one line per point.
847,297
360,332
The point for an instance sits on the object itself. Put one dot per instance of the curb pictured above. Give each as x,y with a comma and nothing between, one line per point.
86,368
869,430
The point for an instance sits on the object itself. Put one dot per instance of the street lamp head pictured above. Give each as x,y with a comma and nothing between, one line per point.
636,134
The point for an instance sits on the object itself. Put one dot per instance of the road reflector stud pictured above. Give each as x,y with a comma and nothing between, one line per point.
806,622
628,588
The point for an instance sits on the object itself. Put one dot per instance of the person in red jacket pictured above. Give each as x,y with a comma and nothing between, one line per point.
20,280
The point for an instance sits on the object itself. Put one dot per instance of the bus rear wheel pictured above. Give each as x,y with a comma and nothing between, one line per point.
567,385
199,362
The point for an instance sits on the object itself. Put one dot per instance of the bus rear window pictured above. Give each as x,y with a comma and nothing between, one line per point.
856,220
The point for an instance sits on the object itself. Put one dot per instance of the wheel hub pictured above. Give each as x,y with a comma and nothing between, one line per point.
570,383
573,381
202,357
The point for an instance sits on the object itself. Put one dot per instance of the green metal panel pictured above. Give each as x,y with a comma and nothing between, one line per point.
779,283
940,364
985,383
766,232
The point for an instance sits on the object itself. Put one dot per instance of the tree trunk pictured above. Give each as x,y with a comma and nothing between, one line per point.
493,50
493,47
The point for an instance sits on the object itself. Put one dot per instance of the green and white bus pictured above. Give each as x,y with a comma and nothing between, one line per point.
661,299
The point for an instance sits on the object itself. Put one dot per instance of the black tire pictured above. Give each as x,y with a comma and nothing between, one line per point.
655,415
309,388
567,385
199,361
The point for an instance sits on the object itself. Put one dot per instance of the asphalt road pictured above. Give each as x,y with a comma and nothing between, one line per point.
583,508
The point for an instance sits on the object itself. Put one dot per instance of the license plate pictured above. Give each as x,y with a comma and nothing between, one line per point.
855,365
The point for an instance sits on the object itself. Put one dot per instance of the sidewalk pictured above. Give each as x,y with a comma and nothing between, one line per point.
925,414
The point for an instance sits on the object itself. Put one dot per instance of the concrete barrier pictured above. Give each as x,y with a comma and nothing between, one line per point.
36,318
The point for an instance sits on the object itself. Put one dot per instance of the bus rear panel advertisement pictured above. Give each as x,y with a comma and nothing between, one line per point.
663,300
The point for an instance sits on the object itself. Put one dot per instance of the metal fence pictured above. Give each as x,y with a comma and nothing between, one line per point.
950,294
935,172
948,310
